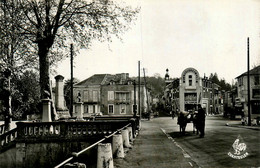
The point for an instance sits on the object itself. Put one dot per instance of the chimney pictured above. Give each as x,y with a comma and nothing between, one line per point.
59,93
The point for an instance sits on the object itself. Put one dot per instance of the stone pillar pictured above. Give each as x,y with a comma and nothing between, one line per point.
78,110
130,130
46,110
125,135
117,146
59,93
104,156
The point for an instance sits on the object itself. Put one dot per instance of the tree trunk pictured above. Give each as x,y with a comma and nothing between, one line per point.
44,71
45,75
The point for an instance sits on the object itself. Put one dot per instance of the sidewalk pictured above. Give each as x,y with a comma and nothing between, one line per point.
153,149
238,123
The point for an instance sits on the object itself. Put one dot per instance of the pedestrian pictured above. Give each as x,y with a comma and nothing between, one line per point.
201,121
182,121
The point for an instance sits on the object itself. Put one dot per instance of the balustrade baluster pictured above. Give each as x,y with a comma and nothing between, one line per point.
84,129
51,130
79,129
57,128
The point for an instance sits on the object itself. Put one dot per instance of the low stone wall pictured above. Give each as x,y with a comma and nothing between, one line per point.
31,155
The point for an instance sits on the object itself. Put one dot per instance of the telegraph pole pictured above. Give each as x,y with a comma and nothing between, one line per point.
248,84
147,97
71,80
134,98
139,96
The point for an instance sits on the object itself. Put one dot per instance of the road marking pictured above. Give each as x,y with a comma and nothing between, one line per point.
186,155
190,164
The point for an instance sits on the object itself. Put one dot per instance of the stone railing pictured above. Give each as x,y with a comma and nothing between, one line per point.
67,130
7,139
2,129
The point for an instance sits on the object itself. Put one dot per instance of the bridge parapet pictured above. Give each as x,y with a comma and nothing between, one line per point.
66,130
7,139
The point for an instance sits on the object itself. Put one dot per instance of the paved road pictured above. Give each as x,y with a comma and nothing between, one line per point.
154,148
212,151
161,145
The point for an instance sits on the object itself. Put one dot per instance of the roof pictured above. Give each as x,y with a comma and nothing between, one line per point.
96,79
104,79
254,71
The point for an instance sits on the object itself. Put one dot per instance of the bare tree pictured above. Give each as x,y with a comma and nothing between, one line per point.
49,26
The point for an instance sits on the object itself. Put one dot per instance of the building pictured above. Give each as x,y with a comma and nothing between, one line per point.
242,92
110,94
86,94
190,89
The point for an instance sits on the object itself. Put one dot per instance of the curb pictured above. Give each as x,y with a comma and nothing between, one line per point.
246,127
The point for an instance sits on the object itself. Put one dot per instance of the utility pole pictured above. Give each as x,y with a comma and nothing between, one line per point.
71,80
147,97
248,84
134,98
139,92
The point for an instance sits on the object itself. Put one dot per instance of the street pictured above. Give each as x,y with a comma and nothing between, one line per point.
213,149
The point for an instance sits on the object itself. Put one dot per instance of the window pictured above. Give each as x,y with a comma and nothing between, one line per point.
85,94
86,109
122,96
90,95
190,80
122,108
110,95
78,96
95,95
240,81
257,80
90,109
94,108
110,109
256,93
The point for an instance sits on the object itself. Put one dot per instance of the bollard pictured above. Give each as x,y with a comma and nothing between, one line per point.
125,136
117,146
130,133
104,156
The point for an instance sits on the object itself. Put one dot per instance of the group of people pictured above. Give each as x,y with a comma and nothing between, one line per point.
198,120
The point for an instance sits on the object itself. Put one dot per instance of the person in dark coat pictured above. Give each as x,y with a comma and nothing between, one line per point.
182,121
201,121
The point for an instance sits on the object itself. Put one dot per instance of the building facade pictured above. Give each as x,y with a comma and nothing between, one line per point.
242,92
190,89
110,94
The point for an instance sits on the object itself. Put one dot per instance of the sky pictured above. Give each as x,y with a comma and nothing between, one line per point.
208,35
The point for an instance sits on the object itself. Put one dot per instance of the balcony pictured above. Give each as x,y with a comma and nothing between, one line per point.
190,87
122,101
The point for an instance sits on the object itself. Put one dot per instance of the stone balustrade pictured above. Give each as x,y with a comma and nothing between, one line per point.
30,137
7,139
66,130
2,129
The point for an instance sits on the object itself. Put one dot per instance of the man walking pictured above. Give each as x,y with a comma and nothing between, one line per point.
201,121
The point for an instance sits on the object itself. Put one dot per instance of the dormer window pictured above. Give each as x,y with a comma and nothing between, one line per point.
112,83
